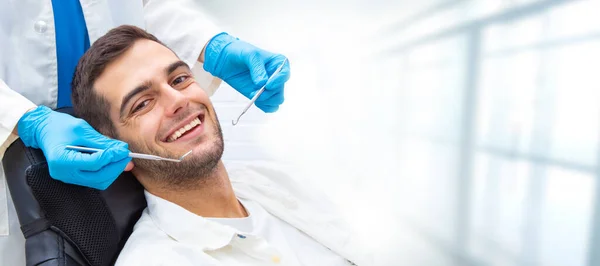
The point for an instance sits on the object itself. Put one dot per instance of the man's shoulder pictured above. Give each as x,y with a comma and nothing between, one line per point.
147,244
145,228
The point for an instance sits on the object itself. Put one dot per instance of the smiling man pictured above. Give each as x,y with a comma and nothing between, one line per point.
131,87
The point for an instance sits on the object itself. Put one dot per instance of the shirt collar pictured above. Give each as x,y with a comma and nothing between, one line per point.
187,227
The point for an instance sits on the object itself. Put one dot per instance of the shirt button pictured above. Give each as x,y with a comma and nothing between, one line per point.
276,259
40,26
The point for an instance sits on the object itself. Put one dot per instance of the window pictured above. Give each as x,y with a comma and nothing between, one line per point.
504,100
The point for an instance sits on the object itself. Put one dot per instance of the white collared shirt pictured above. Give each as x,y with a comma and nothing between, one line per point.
167,234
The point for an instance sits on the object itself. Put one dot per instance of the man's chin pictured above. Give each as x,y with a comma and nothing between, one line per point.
207,150
203,151
197,166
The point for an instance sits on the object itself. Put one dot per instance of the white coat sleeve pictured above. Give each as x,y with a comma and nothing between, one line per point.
184,27
12,106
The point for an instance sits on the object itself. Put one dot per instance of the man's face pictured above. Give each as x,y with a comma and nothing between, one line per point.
157,107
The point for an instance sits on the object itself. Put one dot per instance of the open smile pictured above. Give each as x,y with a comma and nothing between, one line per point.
188,129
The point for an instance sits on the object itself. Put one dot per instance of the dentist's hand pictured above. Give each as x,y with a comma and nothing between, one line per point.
247,68
51,131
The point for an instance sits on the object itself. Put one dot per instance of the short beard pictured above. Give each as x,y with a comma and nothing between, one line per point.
190,173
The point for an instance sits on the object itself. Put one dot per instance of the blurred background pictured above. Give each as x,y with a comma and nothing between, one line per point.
451,132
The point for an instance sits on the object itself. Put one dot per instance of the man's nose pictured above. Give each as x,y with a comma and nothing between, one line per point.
174,100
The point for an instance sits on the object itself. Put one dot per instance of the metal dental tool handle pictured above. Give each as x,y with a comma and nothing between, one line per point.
234,122
131,154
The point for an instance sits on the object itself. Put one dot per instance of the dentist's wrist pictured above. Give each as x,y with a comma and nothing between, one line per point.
213,50
15,130
28,124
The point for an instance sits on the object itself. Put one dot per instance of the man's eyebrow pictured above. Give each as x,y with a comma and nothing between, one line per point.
140,88
175,65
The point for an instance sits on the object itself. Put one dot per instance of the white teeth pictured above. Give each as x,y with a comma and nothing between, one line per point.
184,129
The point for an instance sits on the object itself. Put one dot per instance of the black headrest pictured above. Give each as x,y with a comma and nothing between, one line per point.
91,225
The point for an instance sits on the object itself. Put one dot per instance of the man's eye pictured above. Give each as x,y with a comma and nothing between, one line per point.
179,80
140,106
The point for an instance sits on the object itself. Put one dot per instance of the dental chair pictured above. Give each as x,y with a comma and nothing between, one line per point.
69,225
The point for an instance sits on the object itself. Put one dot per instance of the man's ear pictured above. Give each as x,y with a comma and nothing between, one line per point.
129,166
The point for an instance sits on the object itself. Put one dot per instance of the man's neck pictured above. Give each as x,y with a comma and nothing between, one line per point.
214,197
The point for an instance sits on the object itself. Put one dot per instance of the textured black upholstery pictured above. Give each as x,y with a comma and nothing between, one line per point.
67,224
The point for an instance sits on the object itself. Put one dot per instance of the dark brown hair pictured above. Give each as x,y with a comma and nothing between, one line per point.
87,104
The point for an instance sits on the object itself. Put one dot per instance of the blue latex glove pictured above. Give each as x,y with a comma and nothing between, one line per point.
247,68
51,131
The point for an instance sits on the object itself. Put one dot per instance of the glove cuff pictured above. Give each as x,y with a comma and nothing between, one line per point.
28,125
213,51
